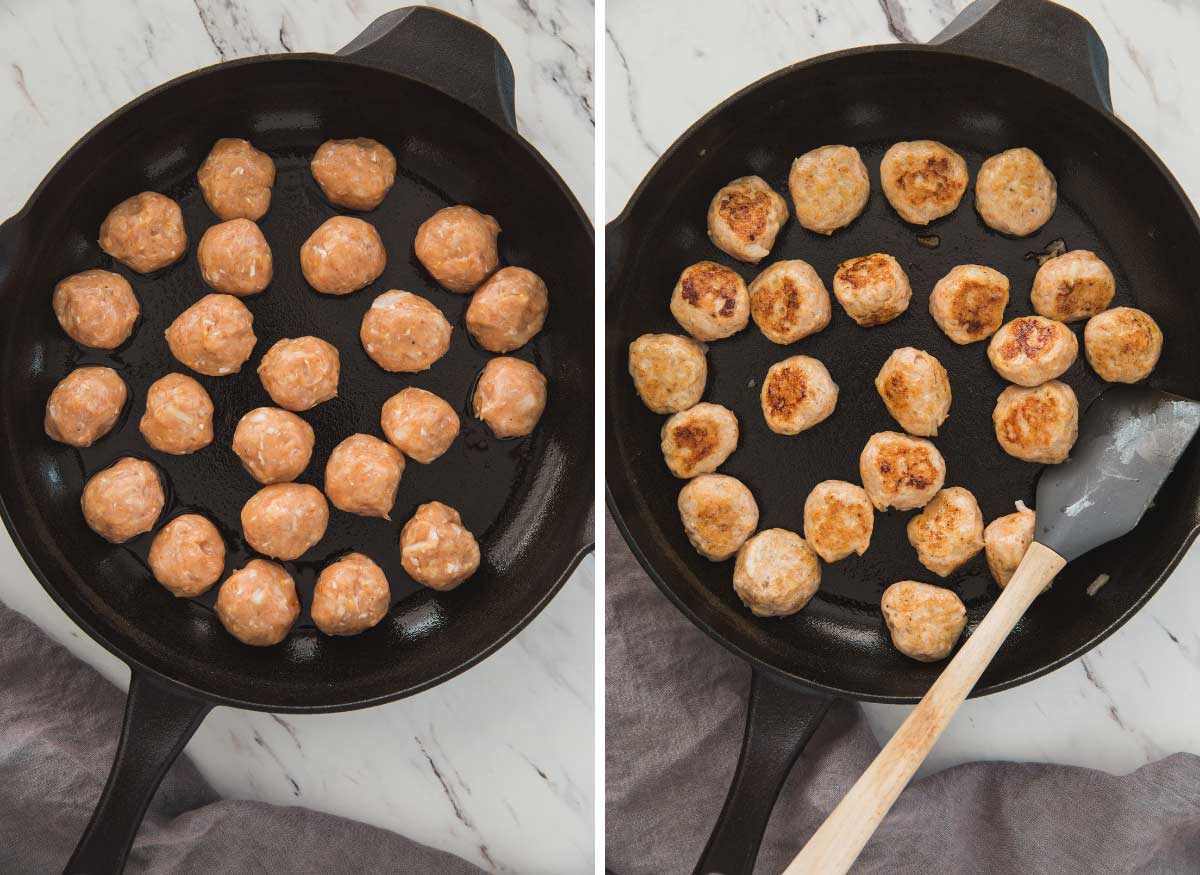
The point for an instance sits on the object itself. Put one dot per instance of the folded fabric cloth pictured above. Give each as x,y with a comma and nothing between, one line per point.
59,722
675,712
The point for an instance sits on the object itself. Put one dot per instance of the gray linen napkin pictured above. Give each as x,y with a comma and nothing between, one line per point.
675,708
59,721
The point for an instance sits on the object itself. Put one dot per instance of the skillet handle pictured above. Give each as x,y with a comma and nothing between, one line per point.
444,52
158,723
1041,37
780,719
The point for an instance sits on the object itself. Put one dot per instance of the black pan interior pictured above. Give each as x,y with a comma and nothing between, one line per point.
1114,198
520,497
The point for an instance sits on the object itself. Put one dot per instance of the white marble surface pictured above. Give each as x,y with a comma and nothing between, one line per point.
1133,699
497,765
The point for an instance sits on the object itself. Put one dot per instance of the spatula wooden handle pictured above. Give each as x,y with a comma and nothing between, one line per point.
834,847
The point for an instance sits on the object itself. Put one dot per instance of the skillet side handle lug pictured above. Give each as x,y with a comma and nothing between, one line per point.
442,51
158,723
1041,37
780,719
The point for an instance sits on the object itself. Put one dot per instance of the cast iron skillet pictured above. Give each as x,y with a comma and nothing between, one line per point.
439,92
1007,73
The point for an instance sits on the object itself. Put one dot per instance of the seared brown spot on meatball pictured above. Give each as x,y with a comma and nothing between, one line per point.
975,304
699,441
787,391
929,181
708,281
1027,421
918,468
860,272
785,293
1085,293
746,212
1030,339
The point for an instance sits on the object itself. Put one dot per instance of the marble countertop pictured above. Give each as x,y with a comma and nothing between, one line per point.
1127,702
496,765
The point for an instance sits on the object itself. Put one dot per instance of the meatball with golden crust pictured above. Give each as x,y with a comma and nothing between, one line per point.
234,258
829,188
797,393
699,440
436,549
669,371
915,389
96,308
1037,424
776,573
187,556
872,289
1015,193
145,232
968,303
900,471
404,333
719,513
948,532
85,405
1122,344
342,256
1005,541
1076,285
923,180
925,621
789,302
179,415
236,180
274,445
508,309
124,500
1030,350
457,245
363,474
285,520
510,397
744,218
351,596
300,373
257,604
838,519
214,336
419,424
710,301
356,174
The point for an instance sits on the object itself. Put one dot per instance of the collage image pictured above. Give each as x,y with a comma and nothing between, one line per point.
599,437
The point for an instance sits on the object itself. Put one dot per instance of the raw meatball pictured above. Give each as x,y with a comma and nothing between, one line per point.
1076,285
510,397
179,416
235,258
284,520
342,256
123,500
1005,541
362,476
85,406
1015,193
187,556
1030,350
925,620
351,596
797,393
699,440
508,310
948,532
968,303
96,308
788,302
274,445
1122,344
214,336
829,187
719,513
436,549
300,373
419,424
1038,424
258,604
356,174
744,218
457,245
236,180
669,371
838,519
145,233
776,573
710,301
872,289
900,471
404,333
915,389
923,180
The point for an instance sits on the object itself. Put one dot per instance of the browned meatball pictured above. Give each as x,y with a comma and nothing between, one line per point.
789,302
419,424
236,180
1076,285
925,621
838,520
257,604
1005,541
1122,344
362,475
915,389
274,445
797,393
285,520
85,406
699,440
342,256
351,596
214,336
776,573
96,308
710,301
718,513
235,258
669,371
124,500
300,373
948,532
145,233
510,397
1015,193
1037,424
744,218
457,245
404,333
508,310
356,174
968,303
830,187
187,556
873,289
923,180
436,549
178,417
1030,350
900,471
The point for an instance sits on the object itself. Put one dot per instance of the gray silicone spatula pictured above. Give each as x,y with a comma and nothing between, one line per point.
1129,440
